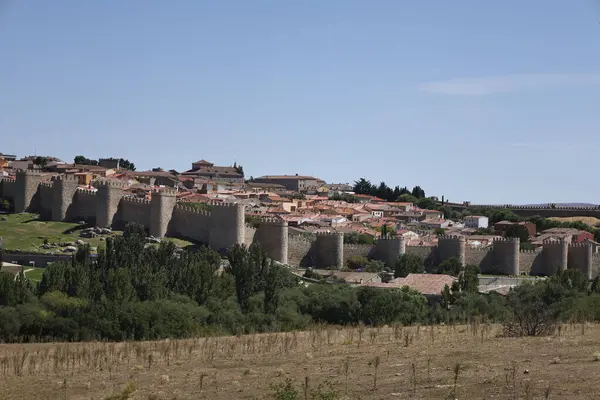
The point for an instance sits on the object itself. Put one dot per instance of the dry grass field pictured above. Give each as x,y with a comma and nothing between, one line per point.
386,363
591,221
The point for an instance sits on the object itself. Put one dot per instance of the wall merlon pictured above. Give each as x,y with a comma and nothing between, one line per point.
579,245
507,240
452,238
108,183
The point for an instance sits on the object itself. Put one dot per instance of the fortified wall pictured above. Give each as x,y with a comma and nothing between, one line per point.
530,211
63,200
224,225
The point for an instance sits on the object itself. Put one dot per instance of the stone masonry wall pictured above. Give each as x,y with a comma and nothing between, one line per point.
7,188
249,235
46,198
190,223
300,251
84,205
272,236
135,210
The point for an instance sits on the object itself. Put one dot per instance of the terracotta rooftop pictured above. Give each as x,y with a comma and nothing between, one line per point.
426,284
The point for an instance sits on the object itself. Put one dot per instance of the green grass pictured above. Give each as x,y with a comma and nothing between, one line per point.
26,232
35,275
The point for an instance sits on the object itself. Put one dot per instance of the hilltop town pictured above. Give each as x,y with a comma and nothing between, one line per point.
301,220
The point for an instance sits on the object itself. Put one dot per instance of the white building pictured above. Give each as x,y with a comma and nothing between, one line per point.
476,222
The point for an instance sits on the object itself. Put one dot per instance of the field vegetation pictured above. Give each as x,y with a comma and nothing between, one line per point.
27,232
326,362
251,329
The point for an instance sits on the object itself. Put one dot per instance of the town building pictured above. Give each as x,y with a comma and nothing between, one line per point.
207,170
296,183
476,222
501,227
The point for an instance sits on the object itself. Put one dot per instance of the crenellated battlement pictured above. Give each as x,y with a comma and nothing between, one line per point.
451,238
68,178
27,172
273,221
87,192
326,233
223,204
107,183
191,210
8,179
558,241
579,245
506,240
135,200
47,184
164,192
529,251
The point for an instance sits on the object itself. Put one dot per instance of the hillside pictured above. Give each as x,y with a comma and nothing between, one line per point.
384,363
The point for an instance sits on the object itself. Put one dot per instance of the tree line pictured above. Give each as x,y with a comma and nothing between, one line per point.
123,163
383,191
133,291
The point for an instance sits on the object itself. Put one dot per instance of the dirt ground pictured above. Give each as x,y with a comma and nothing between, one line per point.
591,221
386,363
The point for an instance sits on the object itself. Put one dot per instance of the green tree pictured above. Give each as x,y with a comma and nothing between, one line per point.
407,198
362,186
450,266
518,231
426,203
468,279
418,192
409,264
249,266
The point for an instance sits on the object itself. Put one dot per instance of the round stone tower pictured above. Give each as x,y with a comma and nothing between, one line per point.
506,253
330,249
64,189
272,235
107,205
227,225
161,211
26,187
452,246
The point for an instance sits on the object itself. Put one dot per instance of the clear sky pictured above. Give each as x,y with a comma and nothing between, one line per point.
488,101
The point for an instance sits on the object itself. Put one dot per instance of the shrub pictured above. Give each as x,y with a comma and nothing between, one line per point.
357,262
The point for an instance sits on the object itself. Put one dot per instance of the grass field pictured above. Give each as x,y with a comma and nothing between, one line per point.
462,362
591,221
27,233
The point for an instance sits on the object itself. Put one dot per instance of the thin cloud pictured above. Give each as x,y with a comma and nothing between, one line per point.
507,83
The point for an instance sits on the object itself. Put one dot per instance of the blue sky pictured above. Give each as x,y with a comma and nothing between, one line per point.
488,101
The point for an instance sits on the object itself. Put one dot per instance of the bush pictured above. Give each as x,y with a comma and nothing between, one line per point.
536,310
357,262
409,264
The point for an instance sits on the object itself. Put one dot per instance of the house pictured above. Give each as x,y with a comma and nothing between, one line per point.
207,170
402,206
501,227
8,157
296,183
573,235
476,221
432,214
481,240
407,234
435,223
156,178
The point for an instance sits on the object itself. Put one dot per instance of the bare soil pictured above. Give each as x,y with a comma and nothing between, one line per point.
415,362
591,221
